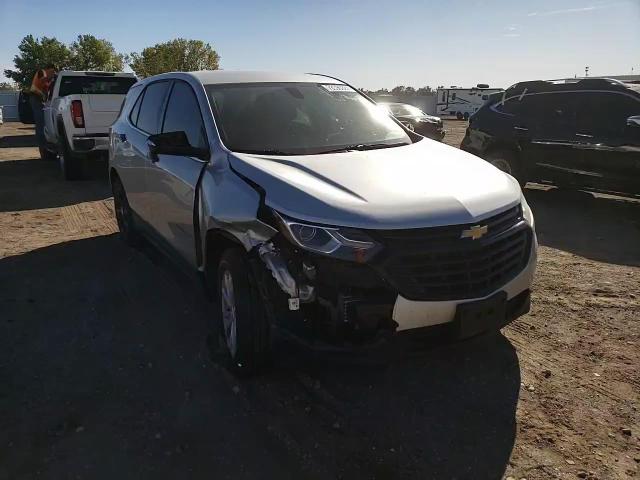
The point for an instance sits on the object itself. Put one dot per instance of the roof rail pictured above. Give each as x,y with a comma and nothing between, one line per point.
577,84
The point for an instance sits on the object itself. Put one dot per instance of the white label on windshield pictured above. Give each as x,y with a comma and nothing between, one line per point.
338,88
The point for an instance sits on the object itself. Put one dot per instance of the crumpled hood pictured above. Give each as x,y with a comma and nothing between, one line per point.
420,185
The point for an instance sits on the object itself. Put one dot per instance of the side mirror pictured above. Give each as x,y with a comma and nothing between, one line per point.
633,121
174,143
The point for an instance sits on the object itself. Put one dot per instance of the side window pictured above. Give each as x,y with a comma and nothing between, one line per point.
136,109
150,113
604,114
443,95
555,113
183,114
511,105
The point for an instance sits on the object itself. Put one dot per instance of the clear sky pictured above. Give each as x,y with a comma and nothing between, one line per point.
371,44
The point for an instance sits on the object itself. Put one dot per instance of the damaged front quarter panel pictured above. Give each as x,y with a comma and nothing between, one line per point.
239,218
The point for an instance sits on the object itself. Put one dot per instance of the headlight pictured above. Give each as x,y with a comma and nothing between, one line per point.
339,242
526,212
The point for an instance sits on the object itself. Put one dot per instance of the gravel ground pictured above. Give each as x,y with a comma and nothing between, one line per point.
106,374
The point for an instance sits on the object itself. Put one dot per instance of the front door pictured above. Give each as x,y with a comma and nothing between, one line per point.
48,111
610,147
171,180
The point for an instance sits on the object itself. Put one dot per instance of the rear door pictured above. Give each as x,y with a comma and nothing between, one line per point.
546,129
146,120
171,180
610,147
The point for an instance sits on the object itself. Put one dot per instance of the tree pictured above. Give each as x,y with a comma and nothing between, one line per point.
91,53
179,55
399,90
425,91
8,86
34,54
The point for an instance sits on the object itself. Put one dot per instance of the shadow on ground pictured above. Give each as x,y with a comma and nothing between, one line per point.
106,375
16,141
34,183
602,228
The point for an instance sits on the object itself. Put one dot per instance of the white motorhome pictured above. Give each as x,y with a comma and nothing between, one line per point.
462,102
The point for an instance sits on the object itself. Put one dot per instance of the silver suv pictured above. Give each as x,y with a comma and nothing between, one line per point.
308,209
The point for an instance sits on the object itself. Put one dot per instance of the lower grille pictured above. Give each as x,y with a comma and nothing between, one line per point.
436,264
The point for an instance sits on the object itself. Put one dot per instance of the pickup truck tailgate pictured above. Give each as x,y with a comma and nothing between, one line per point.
100,111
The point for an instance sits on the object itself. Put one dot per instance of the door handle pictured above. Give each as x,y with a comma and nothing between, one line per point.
521,129
584,135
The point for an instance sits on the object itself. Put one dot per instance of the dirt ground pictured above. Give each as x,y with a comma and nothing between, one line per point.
105,373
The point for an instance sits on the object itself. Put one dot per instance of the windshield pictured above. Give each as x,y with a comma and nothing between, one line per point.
95,85
406,110
300,118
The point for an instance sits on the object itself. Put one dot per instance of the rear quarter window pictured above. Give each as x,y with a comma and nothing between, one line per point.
151,106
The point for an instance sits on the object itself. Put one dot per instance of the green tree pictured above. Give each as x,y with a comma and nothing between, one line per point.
91,53
179,55
34,54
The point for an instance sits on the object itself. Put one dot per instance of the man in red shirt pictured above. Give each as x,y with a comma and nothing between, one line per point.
39,90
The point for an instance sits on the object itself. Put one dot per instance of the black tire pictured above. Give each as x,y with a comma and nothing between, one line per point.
124,215
249,351
46,154
508,162
70,165
466,116
459,115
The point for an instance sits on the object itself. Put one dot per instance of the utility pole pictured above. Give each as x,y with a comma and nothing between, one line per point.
586,71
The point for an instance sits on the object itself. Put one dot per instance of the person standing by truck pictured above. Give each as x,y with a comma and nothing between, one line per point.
37,96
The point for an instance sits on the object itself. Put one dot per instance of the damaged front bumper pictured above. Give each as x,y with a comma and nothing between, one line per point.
329,303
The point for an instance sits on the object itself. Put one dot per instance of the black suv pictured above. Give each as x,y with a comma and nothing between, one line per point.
583,133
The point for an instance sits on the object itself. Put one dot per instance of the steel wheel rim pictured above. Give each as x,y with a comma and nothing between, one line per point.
502,164
229,321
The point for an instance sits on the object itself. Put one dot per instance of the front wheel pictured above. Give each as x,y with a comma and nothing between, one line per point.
459,115
507,162
245,327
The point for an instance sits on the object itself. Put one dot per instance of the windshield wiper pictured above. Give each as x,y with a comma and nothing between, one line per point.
360,147
266,151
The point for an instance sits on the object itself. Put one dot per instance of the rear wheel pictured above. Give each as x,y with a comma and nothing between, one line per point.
507,162
46,154
124,216
466,116
459,115
243,320
70,165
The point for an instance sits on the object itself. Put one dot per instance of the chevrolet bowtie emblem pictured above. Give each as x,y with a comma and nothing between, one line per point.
474,232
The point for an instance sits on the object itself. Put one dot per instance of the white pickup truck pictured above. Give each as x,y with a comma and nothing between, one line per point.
78,113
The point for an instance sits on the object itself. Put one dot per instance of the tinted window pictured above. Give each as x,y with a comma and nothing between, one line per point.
136,108
151,107
95,85
604,114
183,114
552,109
